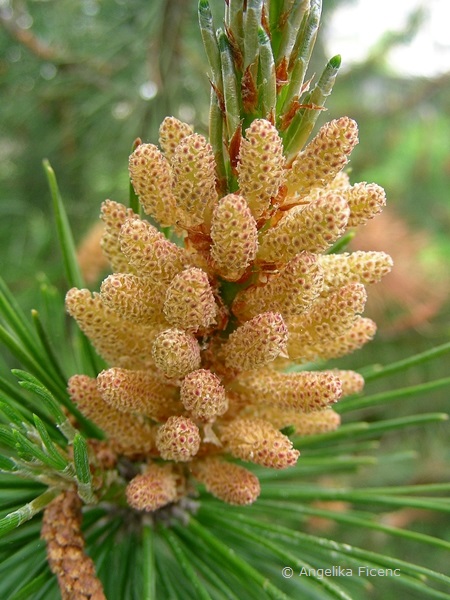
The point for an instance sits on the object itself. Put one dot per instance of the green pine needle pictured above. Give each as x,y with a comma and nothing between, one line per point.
66,243
355,403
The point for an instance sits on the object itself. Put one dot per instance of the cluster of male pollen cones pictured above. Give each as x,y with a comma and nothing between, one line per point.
221,303
199,336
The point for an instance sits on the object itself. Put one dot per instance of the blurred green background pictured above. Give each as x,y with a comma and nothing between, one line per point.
80,80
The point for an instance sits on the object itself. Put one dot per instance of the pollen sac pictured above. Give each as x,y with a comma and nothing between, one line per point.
358,267
176,353
171,133
227,481
311,423
234,237
260,166
328,318
351,381
203,395
153,489
317,422
361,332
178,439
189,302
339,184
127,434
290,292
194,180
365,200
149,252
118,341
305,391
257,342
257,441
137,391
152,179
114,216
137,299
323,158
312,228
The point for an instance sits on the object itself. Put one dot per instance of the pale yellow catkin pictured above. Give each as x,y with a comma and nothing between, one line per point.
227,481
138,391
152,179
137,299
178,439
323,158
117,340
189,301
310,423
114,216
171,133
365,201
234,237
328,318
128,434
257,441
311,228
156,487
149,252
305,391
203,395
176,353
290,291
261,166
194,184
357,267
257,342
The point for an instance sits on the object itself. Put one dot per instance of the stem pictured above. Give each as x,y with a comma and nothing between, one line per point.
292,31
133,199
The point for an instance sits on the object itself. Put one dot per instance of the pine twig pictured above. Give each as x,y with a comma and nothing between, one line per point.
61,529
